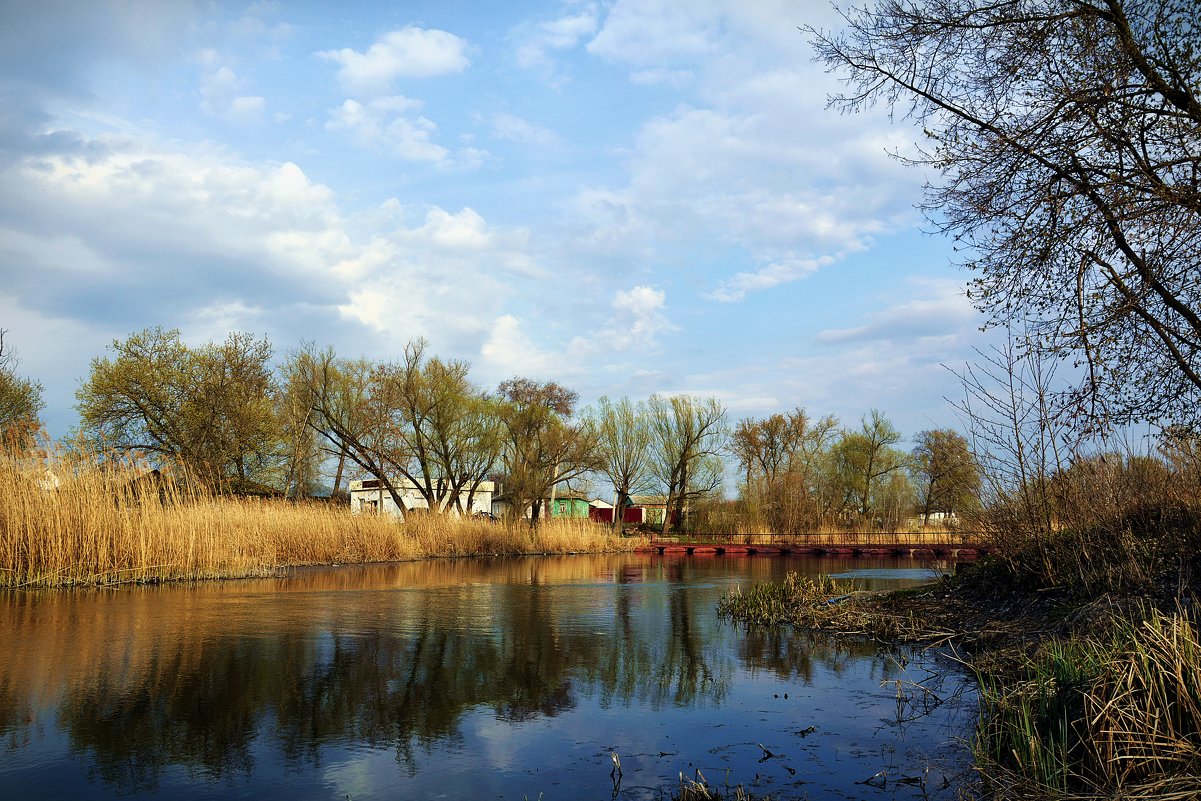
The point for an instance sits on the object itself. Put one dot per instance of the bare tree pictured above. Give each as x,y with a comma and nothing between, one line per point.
624,439
781,457
690,435
1068,138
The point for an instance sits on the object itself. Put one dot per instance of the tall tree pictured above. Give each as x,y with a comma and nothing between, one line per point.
419,418
945,472
350,415
544,446
624,439
781,457
867,460
20,398
1068,138
209,408
690,435
299,443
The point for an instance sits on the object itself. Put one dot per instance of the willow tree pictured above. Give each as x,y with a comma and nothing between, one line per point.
209,408
624,438
544,445
418,418
946,475
690,435
867,463
1063,138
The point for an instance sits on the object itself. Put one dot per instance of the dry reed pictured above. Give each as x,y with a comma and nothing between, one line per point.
78,520
1086,718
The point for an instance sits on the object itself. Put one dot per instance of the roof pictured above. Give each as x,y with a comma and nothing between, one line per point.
401,483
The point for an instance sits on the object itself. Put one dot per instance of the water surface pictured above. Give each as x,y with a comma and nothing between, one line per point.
502,678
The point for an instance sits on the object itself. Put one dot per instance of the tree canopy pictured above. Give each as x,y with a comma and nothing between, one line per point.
208,408
20,398
1067,134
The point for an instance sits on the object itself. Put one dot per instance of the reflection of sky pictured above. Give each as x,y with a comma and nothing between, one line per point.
649,669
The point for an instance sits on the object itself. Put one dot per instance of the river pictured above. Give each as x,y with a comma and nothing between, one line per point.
471,678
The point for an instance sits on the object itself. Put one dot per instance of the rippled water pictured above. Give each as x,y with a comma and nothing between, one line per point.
505,678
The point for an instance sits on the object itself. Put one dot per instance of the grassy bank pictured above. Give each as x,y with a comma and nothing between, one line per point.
1083,631
1079,700
88,523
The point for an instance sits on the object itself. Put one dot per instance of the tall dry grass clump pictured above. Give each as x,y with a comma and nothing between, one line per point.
71,518
1112,719
1112,523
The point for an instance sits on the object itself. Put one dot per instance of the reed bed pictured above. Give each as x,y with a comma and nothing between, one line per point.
1099,719
71,520
819,604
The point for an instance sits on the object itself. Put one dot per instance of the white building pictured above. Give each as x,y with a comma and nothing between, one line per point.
370,496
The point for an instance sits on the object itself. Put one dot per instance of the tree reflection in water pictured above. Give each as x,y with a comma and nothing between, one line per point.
211,678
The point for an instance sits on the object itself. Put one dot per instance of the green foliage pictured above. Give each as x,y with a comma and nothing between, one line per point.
800,600
1116,717
543,445
208,408
945,473
20,398
866,463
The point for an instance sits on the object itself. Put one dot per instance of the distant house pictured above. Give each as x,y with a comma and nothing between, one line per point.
646,510
370,496
573,506
600,511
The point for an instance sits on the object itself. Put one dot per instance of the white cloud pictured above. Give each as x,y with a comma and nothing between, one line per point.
657,32
387,126
761,173
539,44
638,319
220,91
941,310
514,129
447,277
508,351
410,52
247,106
772,275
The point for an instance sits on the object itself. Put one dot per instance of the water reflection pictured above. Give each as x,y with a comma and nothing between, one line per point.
237,681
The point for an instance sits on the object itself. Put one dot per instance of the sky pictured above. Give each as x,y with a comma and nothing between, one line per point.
625,197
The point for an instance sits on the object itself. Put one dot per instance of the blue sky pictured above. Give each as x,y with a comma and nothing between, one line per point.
625,197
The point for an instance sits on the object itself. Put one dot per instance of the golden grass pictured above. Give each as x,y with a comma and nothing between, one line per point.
97,524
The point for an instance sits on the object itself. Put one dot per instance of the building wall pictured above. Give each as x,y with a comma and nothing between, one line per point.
370,497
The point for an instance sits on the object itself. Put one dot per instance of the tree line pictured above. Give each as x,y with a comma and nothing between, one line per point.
242,422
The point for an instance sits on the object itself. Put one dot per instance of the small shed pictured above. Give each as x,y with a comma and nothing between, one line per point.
599,511
570,506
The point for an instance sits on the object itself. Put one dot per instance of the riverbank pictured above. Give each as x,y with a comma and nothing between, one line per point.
95,525
1082,697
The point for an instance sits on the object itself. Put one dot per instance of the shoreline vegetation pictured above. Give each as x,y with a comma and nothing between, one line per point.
1082,631
88,522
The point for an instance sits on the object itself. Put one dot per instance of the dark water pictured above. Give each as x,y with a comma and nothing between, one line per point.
506,678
